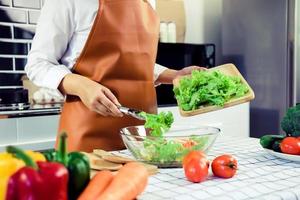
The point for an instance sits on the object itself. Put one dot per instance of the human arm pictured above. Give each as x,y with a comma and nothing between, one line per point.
54,31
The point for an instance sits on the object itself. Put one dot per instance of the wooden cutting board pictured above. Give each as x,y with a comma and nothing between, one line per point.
228,69
103,160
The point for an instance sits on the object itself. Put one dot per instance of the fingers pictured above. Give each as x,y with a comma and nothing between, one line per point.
197,68
102,110
105,103
110,106
188,70
99,99
105,107
111,96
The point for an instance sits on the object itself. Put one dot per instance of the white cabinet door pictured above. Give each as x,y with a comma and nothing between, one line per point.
233,121
36,133
40,128
8,131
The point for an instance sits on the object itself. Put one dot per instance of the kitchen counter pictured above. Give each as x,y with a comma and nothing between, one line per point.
36,128
33,111
259,176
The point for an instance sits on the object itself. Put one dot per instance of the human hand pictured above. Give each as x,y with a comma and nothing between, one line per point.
188,70
99,99
168,76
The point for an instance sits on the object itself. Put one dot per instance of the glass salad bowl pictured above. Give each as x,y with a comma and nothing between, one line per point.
168,150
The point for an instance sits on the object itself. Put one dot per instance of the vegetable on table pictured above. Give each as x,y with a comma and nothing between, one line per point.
10,164
128,183
36,181
207,88
224,166
158,124
36,156
290,145
291,121
193,155
267,141
97,185
276,146
77,165
196,167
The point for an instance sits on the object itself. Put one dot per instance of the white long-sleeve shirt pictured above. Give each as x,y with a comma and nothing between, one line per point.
61,33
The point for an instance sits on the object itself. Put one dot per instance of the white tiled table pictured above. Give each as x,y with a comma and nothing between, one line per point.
260,176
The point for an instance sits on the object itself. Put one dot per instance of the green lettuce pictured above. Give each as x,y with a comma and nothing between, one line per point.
159,124
208,88
163,151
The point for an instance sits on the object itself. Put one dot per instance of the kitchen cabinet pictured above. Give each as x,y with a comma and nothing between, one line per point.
8,131
36,133
42,128
233,121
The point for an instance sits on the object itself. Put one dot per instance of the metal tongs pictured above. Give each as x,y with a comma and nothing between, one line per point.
131,112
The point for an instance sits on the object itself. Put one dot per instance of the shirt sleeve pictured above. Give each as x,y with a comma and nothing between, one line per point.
53,33
158,69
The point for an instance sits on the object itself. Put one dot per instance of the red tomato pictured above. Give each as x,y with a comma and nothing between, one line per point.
189,144
193,155
224,166
196,170
290,145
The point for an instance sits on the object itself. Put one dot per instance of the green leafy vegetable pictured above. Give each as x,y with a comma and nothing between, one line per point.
291,121
208,88
161,150
158,124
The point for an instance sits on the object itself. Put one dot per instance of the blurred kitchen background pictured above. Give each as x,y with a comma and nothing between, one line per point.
261,37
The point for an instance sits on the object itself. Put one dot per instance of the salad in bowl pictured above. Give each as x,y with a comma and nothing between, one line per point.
159,144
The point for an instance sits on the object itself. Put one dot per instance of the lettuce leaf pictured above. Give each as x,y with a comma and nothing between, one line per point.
208,88
158,124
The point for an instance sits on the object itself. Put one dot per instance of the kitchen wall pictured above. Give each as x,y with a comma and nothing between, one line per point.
297,52
203,20
17,25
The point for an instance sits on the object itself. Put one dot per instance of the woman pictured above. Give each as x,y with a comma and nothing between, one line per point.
107,51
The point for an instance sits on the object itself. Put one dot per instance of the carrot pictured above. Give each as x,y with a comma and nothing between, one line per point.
127,184
97,185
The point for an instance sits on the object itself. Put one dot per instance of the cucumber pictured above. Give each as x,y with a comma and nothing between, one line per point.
267,141
276,146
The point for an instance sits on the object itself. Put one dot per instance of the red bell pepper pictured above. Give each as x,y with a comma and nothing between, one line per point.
37,181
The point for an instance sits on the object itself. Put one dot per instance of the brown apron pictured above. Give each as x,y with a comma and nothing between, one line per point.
120,54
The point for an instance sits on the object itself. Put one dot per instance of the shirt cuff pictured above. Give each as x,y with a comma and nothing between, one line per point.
55,76
158,69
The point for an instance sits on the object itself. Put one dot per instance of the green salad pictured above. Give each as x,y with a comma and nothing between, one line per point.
158,124
208,88
160,149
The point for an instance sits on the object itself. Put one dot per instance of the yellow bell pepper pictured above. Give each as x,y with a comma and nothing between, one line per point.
9,165
36,156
